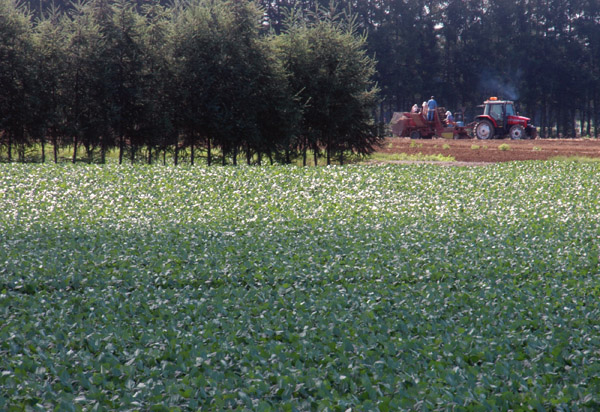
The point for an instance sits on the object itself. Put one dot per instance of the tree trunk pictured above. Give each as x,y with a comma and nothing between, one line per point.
43,150
589,118
596,116
55,147
208,152
103,151
543,120
149,154
192,154
558,121
75,149
121,144
21,152
89,151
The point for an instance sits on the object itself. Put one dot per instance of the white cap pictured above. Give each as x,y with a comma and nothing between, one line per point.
448,113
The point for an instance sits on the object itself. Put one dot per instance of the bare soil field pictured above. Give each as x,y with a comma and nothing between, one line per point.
492,151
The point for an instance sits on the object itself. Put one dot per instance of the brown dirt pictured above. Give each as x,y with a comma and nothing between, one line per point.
487,151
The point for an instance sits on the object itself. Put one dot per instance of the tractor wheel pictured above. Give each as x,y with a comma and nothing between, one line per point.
415,134
517,132
484,130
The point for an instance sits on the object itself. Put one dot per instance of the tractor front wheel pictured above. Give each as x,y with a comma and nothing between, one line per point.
415,134
517,132
484,130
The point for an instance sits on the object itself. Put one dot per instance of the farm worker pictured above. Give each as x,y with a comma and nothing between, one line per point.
424,108
415,109
449,117
431,106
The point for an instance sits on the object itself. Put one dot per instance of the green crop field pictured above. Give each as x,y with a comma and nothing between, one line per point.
399,287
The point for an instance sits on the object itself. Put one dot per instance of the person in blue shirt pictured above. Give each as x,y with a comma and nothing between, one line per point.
431,107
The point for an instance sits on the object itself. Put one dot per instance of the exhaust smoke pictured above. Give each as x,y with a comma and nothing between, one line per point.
493,84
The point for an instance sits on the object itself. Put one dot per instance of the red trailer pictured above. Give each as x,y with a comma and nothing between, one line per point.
416,126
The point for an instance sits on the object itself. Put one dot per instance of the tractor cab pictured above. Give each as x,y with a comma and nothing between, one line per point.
499,118
499,111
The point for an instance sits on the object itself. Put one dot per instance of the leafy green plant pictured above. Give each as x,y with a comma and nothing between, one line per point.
504,147
578,159
475,147
278,288
419,157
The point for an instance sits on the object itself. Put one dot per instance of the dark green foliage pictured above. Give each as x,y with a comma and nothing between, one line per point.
332,75
86,88
279,288
52,70
197,75
540,53
16,77
231,92
208,76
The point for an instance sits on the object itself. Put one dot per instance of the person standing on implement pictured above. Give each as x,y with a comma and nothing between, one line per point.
431,107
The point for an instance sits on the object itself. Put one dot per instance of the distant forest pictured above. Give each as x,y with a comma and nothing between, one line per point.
283,78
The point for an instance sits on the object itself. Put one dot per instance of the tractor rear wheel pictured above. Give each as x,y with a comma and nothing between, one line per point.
484,130
517,132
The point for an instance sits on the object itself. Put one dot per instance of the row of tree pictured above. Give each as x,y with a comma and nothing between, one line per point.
281,78
545,54
201,75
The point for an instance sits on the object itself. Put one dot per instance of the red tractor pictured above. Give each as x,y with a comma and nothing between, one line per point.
499,119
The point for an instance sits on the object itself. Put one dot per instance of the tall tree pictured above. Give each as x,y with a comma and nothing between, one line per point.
84,80
122,29
406,45
51,72
333,77
223,76
156,123
16,60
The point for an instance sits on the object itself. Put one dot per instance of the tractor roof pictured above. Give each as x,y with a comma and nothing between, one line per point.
494,100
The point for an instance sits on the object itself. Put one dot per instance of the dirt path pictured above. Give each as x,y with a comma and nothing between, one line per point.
492,151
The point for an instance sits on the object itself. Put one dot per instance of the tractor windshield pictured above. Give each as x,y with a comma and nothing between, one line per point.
494,111
510,110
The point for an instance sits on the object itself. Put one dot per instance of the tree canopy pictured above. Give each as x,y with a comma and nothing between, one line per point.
278,79
199,74
544,54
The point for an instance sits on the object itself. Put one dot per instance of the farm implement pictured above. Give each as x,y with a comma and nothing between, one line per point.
498,120
416,125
